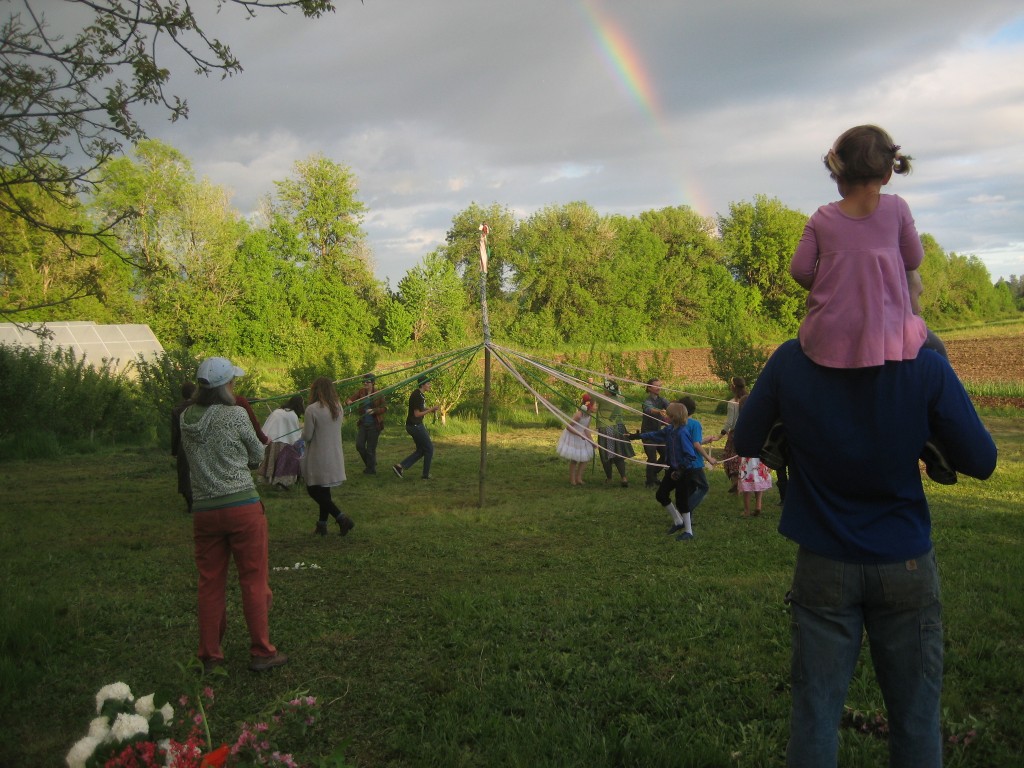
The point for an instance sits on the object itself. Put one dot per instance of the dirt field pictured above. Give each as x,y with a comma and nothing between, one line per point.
997,359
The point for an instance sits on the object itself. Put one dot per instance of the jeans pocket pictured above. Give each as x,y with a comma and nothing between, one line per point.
817,581
911,583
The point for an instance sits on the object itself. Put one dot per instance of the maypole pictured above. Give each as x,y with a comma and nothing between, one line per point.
485,415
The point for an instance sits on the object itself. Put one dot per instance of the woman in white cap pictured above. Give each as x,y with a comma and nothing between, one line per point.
229,519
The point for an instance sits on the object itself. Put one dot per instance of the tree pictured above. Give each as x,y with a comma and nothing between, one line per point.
434,303
182,244
686,276
319,204
39,280
462,248
555,276
760,239
68,101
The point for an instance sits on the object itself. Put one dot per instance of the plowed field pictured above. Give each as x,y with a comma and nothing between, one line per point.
998,359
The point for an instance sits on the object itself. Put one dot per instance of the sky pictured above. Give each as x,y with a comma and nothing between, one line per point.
437,104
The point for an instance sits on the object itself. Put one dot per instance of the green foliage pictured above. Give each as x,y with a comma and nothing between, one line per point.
319,203
49,276
433,307
52,401
71,92
736,350
338,364
158,383
760,239
462,249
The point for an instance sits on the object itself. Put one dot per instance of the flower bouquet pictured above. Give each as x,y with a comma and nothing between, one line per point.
135,733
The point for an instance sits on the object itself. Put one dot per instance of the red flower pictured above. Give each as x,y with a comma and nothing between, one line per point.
217,758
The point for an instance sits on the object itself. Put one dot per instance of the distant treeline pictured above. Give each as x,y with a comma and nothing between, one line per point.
153,244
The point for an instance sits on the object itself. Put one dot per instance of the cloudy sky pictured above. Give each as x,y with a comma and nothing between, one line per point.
629,106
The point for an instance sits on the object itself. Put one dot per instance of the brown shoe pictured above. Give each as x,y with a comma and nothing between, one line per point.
321,528
211,665
345,524
263,663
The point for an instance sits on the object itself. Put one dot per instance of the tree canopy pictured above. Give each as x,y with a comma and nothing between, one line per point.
296,286
72,76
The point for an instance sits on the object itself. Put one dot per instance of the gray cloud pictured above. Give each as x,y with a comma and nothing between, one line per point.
435,105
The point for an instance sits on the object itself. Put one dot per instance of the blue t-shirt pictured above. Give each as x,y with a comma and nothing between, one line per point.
855,435
696,434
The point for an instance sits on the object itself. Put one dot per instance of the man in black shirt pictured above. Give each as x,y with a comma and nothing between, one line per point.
414,426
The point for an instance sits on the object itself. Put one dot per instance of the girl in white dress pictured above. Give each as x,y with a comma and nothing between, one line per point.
575,443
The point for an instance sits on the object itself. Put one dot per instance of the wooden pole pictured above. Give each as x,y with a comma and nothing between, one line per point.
486,410
484,417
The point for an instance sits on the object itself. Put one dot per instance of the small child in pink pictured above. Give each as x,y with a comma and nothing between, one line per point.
854,257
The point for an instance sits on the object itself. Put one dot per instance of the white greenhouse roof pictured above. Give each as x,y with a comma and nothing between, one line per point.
120,344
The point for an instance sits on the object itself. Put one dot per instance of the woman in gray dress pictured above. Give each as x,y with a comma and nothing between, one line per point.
323,464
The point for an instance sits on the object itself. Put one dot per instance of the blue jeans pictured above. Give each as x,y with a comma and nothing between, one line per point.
831,605
367,436
700,489
424,448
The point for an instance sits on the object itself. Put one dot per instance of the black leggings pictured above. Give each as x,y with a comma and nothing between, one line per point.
321,494
683,484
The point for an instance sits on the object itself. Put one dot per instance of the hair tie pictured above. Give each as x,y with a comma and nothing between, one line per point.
895,148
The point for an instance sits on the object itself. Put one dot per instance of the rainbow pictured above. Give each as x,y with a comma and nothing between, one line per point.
627,67
623,59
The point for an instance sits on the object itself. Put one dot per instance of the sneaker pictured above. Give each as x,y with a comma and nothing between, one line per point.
397,469
426,477
211,665
345,524
263,663
675,529
775,450
684,537
936,465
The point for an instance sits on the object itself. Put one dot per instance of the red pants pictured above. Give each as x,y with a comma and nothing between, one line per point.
220,534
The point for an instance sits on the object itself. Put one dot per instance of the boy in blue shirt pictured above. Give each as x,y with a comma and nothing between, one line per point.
696,434
679,477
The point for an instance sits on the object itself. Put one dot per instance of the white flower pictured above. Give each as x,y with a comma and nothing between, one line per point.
126,726
168,712
115,691
145,706
99,727
82,751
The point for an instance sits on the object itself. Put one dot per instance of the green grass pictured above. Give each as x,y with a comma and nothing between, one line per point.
553,626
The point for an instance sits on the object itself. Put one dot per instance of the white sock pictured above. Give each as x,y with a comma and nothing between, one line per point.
686,522
674,514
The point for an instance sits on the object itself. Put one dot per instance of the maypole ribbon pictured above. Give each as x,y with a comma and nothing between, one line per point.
484,231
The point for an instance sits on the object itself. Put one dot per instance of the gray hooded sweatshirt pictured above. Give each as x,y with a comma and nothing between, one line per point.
221,447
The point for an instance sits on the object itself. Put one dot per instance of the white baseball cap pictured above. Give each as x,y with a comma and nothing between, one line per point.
217,371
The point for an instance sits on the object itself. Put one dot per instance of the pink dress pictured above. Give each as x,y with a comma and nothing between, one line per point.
858,308
754,476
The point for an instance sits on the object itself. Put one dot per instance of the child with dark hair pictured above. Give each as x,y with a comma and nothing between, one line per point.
858,258
854,256
695,432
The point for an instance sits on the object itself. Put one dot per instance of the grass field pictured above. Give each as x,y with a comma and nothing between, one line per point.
553,626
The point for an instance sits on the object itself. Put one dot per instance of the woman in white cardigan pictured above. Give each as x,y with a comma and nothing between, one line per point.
323,464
